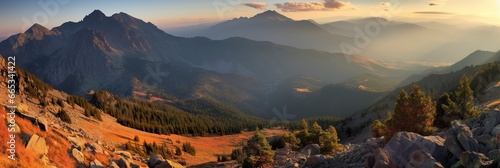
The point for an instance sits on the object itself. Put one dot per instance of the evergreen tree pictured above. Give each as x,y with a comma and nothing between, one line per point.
63,115
379,129
443,102
414,112
259,150
291,141
136,138
463,105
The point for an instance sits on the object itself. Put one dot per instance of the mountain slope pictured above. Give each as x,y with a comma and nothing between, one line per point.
274,27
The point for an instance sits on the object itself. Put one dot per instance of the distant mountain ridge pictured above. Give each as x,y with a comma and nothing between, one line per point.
124,54
277,28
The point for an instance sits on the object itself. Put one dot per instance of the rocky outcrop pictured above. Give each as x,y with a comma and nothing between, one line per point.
96,164
470,143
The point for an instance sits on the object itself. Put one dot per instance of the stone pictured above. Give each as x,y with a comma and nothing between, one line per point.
315,160
95,148
96,164
420,158
310,150
474,159
155,160
402,144
37,145
124,154
459,138
75,153
169,164
43,124
76,143
122,163
383,159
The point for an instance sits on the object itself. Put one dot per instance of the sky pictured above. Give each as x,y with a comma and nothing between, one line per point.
17,16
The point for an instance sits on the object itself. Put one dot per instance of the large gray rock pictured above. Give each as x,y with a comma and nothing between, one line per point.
155,160
310,150
315,160
474,159
402,144
75,153
494,155
134,165
459,138
37,145
420,159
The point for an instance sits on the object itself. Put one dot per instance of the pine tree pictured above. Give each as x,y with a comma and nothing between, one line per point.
414,112
379,129
442,103
259,150
63,115
291,141
136,138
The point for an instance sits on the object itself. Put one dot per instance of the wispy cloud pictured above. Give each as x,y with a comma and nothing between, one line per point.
433,13
433,4
325,5
256,5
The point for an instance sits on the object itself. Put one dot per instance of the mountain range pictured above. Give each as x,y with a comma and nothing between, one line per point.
125,55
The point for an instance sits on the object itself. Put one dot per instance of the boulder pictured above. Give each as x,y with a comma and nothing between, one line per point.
122,163
155,160
310,150
459,138
124,154
43,124
474,159
169,164
402,144
315,160
37,145
95,148
420,158
76,143
96,164
383,159
75,153
369,160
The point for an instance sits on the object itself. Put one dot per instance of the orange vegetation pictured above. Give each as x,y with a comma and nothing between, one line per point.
58,146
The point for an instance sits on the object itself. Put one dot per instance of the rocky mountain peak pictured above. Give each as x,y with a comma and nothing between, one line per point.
271,15
37,31
96,15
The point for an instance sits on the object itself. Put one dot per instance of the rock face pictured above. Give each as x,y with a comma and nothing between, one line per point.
459,138
36,144
420,158
310,150
315,160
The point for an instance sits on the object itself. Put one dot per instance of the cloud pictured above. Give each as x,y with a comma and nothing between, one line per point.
256,5
326,5
433,13
433,4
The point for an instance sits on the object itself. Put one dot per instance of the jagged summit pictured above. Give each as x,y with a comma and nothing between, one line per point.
271,15
95,15
37,31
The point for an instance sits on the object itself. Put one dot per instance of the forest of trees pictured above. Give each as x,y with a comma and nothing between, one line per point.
194,117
